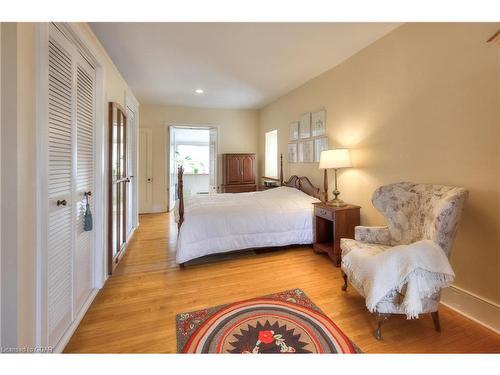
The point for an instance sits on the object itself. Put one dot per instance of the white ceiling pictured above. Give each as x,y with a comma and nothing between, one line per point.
238,65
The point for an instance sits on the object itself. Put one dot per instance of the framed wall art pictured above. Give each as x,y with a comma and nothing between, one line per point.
292,152
320,144
318,123
293,131
306,151
305,125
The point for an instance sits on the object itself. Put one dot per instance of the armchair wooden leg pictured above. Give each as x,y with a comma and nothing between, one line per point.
344,276
435,319
380,319
182,265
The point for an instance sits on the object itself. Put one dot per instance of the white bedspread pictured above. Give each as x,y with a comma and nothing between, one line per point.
220,223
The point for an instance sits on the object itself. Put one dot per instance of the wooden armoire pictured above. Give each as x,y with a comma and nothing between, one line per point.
238,173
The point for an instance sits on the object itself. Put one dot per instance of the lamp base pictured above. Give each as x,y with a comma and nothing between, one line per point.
336,203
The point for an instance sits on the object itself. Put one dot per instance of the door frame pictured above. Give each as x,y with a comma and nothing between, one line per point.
114,259
131,105
81,38
150,170
166,153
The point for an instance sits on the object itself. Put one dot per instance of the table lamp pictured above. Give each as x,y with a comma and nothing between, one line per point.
334,159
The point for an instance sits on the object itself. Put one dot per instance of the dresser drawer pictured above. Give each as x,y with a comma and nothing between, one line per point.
238,188
325,214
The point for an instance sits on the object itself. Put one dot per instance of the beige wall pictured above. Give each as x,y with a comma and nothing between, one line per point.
116,90
238,131
420,104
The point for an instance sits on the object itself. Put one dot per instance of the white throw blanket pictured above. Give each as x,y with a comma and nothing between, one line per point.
422,266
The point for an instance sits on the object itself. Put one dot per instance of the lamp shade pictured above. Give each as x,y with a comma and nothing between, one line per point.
334,159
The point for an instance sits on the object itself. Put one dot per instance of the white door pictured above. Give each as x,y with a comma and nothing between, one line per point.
59,177
85,130
172,189
213,143
131,163
145,170
68,173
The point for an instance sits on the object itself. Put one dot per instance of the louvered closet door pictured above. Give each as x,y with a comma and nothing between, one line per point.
60,160
85,120
69,176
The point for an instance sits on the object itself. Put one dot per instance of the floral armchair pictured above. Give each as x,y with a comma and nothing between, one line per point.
414,212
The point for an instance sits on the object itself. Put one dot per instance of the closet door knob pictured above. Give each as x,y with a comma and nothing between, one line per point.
61,202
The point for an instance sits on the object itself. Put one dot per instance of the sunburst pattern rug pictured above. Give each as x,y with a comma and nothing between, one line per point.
286,322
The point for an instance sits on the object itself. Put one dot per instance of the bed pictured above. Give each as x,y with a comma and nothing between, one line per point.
220,223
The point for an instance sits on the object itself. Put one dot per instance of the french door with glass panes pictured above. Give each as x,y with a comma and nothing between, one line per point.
119,181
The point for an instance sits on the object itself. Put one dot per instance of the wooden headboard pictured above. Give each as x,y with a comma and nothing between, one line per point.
306,186
303,184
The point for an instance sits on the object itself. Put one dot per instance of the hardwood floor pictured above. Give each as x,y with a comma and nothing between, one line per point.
135,311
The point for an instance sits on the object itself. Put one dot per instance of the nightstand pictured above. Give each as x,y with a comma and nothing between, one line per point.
330,225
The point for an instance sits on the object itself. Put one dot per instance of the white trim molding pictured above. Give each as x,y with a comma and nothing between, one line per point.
74,325
472,306
132,105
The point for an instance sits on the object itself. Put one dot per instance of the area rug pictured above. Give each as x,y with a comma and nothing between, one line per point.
286,322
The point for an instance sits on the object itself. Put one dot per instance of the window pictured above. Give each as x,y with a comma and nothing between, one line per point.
194,158
271,165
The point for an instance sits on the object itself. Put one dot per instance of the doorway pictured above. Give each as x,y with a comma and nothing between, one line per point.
196,149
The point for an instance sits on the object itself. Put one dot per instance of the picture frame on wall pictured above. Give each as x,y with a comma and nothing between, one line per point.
294,131
305,125
320,144
318,123
306,151
292,153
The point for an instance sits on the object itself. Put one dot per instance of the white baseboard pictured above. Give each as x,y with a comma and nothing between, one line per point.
131,234
474,307
72,328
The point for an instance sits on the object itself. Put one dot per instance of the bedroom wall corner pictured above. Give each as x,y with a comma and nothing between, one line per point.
420,104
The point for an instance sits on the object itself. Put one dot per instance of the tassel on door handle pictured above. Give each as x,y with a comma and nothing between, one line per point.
87,216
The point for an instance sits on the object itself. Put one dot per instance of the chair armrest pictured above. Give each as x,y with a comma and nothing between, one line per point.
378,235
